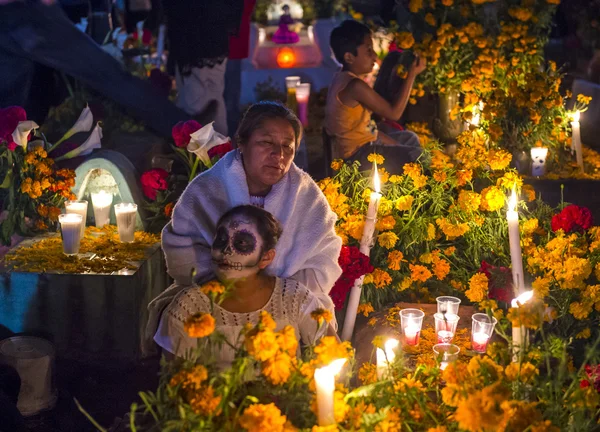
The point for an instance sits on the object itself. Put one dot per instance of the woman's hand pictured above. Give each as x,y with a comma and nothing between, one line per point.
418,65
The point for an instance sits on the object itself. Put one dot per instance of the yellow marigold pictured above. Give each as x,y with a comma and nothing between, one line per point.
394,260
26,185
321,315
541,286
277,369
205,402
261,417
213,287
529,193
430,231
469,201
405,202
463,177
261,344
372,322
381,278
395,179
584,334
387,239
510,180
440,176
481,409
196,376
499,159
450,230
415,5
365,309
287,340
367,374
458,286
354,226
580,310
329,349
524,372
582,98
376,157
492,198
266,320
330,428
441,268
199,325
337,164
478,287
405,40
419,273
386,223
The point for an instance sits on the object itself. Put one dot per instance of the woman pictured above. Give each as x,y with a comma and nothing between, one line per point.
244,245
260,172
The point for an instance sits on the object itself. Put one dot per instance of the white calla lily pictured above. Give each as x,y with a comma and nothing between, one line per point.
83,124
21,133
94,141
203,140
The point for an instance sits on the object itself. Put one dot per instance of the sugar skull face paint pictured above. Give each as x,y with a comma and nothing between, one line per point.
236,249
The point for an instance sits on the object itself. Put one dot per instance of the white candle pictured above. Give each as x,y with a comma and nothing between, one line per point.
70,231
576,140
480,340
386,356
519,333
101,202
160,43
302,96
411,334
126,216
325,385
78,207
516,259
538,161
365,248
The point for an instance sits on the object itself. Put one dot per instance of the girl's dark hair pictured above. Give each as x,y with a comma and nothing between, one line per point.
268,227
255,116
347,37
388,84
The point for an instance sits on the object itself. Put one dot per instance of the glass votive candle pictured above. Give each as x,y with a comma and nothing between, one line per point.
101,201
446,353
448,304
302,96
70,231
291,83
126,214
79,207
482,331
411,321
445,326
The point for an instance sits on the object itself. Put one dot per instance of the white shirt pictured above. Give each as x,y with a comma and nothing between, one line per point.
290,304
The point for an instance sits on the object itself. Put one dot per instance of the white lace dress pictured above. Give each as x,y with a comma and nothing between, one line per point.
290,304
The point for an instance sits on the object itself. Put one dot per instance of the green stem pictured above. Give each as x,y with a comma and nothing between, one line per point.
194,168
88,416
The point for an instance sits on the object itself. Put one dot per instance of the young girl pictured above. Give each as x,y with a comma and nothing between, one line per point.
243,246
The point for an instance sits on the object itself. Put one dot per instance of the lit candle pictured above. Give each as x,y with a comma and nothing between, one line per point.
70,231
519,332
386,356
480,341
79,207
446,353
576,139
445,326
512,215
302,96
411,334
101,202
365,247
325,385
477,110
126,216
411,321
538,161
291,83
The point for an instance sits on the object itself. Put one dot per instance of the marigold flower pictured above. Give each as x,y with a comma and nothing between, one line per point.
524,372
381,278
213,287
376,158
584,334
329,349
387,239
321,315
529,192
205,402
469,201
478,287
199,325
277,369
386,223
405,40
337,164
405,202
493,198
419,273
261,417
365,309
394,259
367,374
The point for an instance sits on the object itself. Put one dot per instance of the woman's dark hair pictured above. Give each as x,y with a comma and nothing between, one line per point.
268,227
255,116
347,37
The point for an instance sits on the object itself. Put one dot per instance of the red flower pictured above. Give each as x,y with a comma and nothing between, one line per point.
154,180
572,218
220,150
500,282
181,132
354,264
9,120
146,36
593,374
393,47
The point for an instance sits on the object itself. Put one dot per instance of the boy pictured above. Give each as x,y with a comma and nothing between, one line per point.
351,101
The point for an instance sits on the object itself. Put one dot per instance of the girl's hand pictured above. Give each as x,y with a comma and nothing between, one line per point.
418,65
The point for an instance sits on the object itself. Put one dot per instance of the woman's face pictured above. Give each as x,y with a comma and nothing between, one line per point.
237,248
268,154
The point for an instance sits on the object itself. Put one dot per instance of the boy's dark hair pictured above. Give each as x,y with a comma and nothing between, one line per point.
255,116
347,38
268,227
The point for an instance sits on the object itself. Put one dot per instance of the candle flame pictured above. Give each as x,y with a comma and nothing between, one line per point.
376,183
512,202
390,345
334,367
522,299
576,116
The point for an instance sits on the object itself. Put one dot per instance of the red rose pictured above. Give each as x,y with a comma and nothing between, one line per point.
220,150
393,47
181,132
584,384
572,218
500,282
9,120
154,180
354,264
